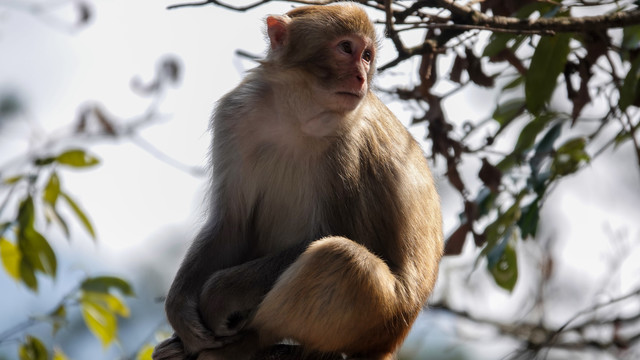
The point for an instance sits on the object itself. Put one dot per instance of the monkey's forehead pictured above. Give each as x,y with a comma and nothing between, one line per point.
339,19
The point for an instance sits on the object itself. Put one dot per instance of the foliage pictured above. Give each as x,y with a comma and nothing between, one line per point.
27,254
35,200
532,68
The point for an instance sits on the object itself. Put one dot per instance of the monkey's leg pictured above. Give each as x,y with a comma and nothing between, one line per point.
336,297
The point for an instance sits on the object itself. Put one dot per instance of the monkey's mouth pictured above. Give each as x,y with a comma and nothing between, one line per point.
350,94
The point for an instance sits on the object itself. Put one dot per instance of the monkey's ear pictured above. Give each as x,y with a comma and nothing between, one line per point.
277,29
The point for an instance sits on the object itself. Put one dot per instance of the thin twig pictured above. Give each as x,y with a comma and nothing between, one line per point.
247,7
565,327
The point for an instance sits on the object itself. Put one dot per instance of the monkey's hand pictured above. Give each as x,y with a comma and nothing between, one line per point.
228,301
191,334
170,349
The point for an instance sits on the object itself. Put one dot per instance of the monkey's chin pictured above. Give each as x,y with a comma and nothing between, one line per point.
348,101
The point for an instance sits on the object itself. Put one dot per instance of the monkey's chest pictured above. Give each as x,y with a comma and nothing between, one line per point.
282,195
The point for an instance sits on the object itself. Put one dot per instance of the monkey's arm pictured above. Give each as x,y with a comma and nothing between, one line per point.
230,297
214,248
211,297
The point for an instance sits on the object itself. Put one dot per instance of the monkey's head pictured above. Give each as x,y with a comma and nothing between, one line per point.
334,47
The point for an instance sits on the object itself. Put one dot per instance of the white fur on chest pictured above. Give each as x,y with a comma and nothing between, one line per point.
279,179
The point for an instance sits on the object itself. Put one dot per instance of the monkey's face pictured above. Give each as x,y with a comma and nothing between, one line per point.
351,59
341,70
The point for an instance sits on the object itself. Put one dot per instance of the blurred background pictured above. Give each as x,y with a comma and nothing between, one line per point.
110,100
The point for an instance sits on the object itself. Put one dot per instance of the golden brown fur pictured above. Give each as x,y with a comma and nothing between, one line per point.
325,223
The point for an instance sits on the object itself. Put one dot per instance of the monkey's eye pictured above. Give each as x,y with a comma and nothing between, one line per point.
346,47
367,55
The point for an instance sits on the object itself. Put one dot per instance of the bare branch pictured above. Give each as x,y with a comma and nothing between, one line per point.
218,3
537,336
250,6
591,310
560,24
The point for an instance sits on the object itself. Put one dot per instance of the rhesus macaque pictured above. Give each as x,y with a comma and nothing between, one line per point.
325,224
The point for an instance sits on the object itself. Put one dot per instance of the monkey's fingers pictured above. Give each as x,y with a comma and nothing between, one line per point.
170,349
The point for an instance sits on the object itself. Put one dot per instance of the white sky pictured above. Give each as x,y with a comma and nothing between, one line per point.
138,203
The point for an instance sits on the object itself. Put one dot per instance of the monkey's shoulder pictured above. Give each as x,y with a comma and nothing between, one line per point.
244,98
383,132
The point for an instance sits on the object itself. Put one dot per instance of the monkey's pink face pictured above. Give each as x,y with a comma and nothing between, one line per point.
353,56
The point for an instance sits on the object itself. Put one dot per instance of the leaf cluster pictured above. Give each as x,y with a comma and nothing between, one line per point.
27,254
536,72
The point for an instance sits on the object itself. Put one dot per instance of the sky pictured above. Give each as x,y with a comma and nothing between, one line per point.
141,205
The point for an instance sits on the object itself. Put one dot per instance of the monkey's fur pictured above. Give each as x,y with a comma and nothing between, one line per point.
325,224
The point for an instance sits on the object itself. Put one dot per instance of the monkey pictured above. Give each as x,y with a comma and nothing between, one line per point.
324,224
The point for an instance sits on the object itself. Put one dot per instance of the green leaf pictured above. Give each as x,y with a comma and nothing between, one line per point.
11,258
36,251
552,12
100,321
506,112
530,132
505,270
59,355
52,190
485,201
33,349
145,352
80,214
631,37
541,7
37,254
546,65
110,302
28,275
525,142
4,227
52,214
502,226
507,163
528,223
514,83
99,311
497,43
628,92
103,284
77,158
44,161
544,147
569,157
26,213
495,249
622,136
13,179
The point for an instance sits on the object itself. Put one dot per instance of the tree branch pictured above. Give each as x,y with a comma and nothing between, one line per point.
559,24
467,16
538,336
250,6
